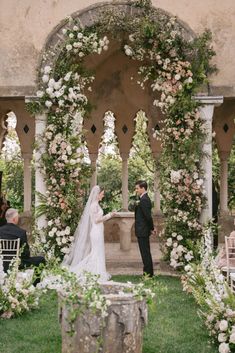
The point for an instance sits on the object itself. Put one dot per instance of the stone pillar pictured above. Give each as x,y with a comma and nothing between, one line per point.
157,196
40,185
27,182
93,158
124,157
207,110
224,182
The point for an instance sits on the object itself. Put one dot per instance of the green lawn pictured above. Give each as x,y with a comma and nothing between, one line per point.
174,326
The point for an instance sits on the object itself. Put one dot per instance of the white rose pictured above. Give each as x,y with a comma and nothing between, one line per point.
75,28
223,325
48,104
224,348
177,77
51,82
69,47
45,78
232,338
57,85
64,30
179,237
40,94
47,69
169,242
64,240
72,161
79,35
67,231
49,90
222,337
71,35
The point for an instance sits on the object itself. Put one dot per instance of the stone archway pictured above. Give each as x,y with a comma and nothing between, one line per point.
115,87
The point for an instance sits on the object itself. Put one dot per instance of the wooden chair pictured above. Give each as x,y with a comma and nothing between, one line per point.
9,249
230,257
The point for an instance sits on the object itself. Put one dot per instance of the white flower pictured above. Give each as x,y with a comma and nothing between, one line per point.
69,47
75,28
128,50
232,338
57,85
224,348
175,176
47,69
51,82
223,325
189,256
40,94
177,77
45,78
67,230
71,35
179,237
222,337
187,268
67,76
48,104
79,35
169,242
64,30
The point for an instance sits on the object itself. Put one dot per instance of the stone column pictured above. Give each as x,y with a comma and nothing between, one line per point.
124,157
224,182
40,185
157,196
93,158
207,110
27,182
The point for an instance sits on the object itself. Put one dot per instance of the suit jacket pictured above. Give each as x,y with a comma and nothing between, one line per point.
143,217
12,231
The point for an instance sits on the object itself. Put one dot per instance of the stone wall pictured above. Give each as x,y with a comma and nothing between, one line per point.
26,26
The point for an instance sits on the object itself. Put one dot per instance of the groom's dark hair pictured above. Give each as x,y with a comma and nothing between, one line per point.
142,184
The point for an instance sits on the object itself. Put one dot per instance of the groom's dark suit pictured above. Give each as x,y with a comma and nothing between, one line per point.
143,228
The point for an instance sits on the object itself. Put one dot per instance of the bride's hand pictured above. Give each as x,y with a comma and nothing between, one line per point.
113,213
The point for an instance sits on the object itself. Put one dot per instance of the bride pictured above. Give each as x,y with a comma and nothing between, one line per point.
87,251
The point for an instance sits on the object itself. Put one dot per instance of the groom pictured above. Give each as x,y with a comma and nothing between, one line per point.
144,225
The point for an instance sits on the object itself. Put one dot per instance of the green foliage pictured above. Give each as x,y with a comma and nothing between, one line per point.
13,181
170,329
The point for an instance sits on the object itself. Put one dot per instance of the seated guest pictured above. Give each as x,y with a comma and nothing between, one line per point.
12,231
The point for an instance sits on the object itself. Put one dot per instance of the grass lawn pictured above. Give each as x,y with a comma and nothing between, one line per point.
174,326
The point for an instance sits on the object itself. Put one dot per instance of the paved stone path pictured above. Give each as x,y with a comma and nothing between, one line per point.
121,262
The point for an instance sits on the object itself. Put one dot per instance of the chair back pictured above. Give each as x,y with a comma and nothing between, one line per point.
230,251
9,249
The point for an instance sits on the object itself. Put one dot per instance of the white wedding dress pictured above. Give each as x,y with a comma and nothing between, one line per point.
87,253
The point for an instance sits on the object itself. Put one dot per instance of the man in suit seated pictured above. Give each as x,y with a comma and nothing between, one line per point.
12,231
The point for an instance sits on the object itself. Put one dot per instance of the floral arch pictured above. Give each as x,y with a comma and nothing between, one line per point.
173,65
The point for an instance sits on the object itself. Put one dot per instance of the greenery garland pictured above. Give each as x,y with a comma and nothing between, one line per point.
174,67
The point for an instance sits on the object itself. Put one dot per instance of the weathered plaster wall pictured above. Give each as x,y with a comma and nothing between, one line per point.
26,24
